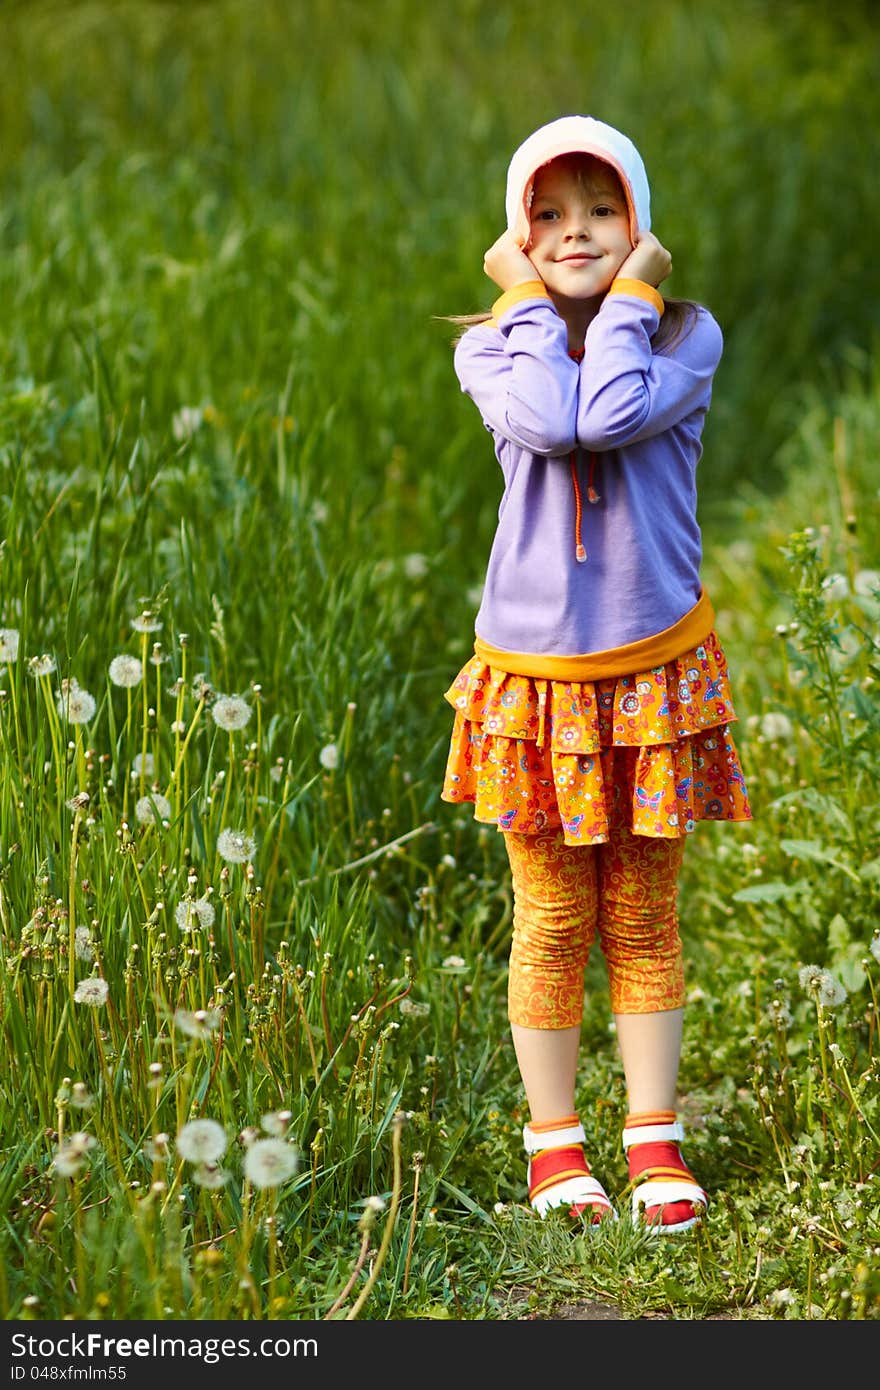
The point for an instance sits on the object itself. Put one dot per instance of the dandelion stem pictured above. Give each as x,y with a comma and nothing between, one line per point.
397,1126
374,854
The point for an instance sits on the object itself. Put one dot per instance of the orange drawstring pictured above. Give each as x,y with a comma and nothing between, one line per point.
592,496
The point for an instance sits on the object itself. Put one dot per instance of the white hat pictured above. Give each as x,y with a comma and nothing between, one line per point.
576,135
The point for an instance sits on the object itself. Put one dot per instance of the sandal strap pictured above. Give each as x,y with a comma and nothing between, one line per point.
535,1140
580,1189
658,1194
651,1134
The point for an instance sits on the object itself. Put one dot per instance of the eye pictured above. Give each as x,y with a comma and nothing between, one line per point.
546,215
603,210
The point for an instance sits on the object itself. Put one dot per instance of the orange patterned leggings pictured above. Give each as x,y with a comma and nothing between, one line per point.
626,890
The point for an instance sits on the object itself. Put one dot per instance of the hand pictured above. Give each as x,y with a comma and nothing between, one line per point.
507,264
648,261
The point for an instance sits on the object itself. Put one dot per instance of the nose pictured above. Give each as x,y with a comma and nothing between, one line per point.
577,226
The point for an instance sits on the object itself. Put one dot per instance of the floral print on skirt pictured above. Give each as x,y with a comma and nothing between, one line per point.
535,754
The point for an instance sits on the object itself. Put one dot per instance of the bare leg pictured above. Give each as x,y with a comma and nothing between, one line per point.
547,1060
650,1046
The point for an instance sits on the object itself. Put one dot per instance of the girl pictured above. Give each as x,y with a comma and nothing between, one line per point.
592,723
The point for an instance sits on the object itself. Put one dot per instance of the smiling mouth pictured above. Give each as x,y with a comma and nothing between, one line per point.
580,256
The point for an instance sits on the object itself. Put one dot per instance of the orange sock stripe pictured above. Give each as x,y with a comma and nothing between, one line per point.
565,1123
649,1117
661,1174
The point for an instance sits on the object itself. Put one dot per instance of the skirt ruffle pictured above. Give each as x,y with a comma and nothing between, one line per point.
535,754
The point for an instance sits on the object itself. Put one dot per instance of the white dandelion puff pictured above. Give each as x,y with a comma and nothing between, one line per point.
9,639
42,665
92,991
874,948
76,705
156,1149
210,1175
202,688
454,963
866,583
230,712
832,993
200,1024
411,1008
80,1096
126,670
329,756
277,1123
72,1154
775,726
142,763
186,422
149,809
236,846
415,566
835,586
201,1141
82,944
269,1162
146,622
192,913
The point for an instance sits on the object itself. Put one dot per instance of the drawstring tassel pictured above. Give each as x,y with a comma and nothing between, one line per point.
592,494
580,550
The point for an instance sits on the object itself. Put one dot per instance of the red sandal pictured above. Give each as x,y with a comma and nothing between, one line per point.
558,1173
667,1198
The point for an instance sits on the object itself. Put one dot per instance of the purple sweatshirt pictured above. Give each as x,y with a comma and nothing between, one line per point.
640,415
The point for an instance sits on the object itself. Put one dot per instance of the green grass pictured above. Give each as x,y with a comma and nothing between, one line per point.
257,213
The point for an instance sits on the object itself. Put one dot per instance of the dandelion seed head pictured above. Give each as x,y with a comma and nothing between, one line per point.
202,688
146,621
775,726
412,1009
9,640
125,670
329,756
200,1024
74,704
832,993
230,712
149,809
201,1141
277,1122
874,948
185,422
269,1162
810,978
454,963
210,1175
92,991
236,846
192,913
866,583
415,566
42,665
80,1096
142,763
82,944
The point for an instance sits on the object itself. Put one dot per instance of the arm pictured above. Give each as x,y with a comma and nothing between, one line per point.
518,372
628,392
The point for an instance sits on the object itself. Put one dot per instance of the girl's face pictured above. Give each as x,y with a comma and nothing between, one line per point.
579,227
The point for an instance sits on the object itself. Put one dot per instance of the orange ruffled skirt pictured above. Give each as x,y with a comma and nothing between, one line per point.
536,754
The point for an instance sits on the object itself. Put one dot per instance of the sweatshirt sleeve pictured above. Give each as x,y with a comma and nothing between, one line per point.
627,391
518,372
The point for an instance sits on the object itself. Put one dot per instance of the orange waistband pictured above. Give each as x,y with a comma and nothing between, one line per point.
665,646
